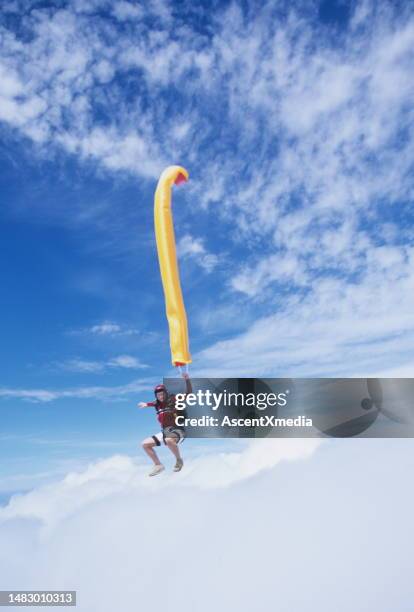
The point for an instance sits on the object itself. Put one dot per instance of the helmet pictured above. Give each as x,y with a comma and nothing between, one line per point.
159,388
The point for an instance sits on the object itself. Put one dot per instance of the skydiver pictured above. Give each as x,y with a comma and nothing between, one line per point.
170,434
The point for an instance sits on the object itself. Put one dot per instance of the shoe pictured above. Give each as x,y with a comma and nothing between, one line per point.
157,469
178,466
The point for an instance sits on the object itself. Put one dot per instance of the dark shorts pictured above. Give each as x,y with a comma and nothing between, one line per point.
169,432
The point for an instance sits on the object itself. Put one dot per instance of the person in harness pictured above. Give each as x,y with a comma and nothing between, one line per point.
171,435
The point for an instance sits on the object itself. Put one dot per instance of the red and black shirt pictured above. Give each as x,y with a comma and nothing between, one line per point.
166,411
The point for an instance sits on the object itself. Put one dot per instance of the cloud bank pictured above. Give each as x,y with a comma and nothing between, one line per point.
256,527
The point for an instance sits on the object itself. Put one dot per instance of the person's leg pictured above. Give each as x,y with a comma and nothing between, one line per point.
173,446
148,445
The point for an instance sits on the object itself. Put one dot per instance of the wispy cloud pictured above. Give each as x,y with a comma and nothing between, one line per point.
285,269
125,11
114,393
36,395
193,248
299,138
127,362
121,362
107,328
330,329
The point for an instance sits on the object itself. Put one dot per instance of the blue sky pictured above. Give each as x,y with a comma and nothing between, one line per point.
295,235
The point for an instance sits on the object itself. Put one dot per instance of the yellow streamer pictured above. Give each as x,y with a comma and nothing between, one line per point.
167,257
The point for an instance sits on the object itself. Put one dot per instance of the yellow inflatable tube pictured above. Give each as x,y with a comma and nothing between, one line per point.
167,257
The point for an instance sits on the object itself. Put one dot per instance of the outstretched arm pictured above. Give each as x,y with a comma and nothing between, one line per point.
145,404
188,385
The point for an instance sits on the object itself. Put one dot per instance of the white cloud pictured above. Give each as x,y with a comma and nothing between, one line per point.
333,329
127,10
309,156
37,395
108,328
126,361
121,361
280,78
105,328
81,365
104,72
119,474
49,91
104,393
282,268
10,84
194,248
268,530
